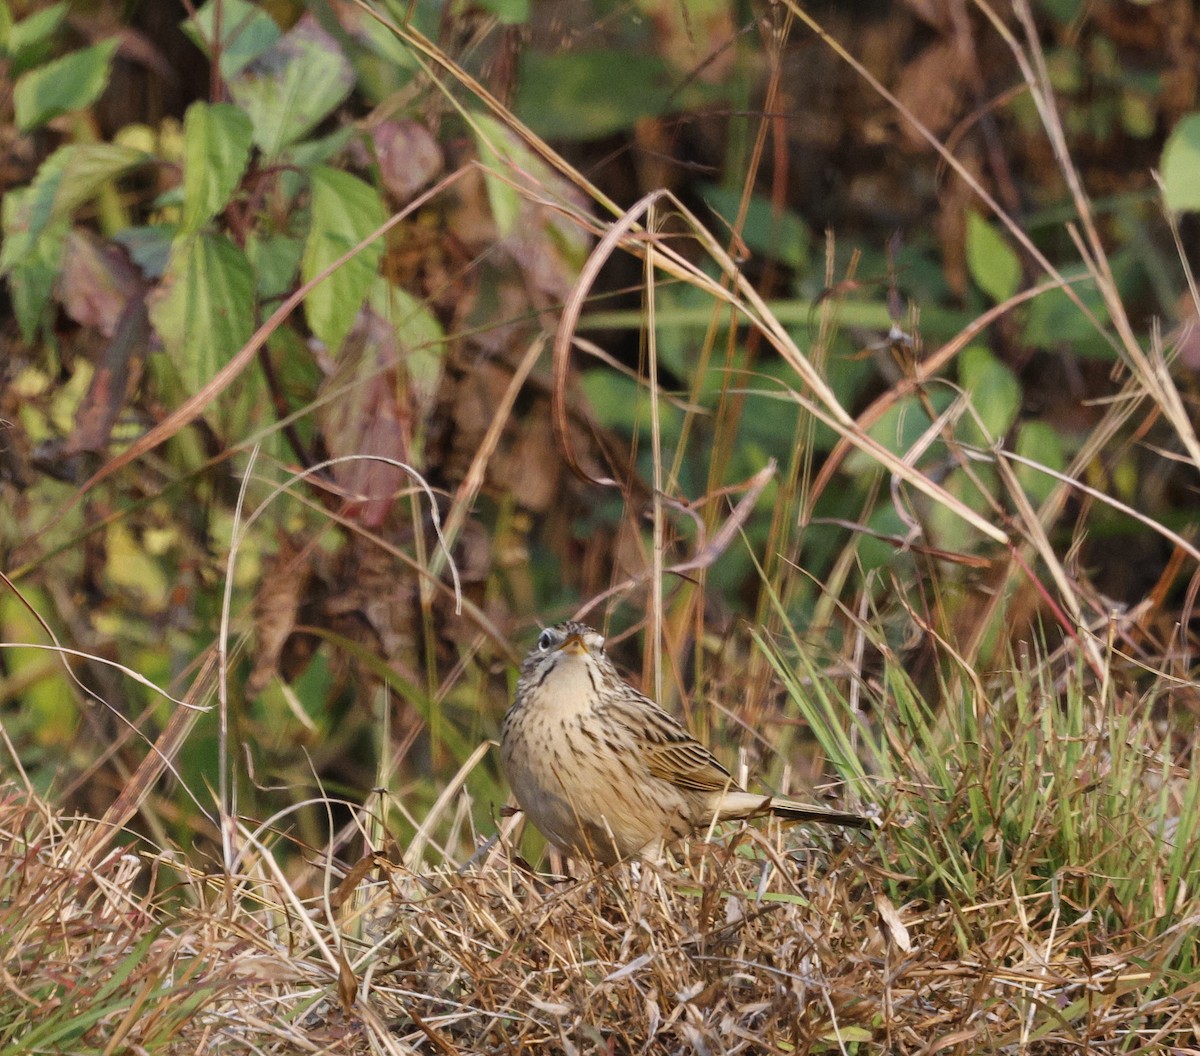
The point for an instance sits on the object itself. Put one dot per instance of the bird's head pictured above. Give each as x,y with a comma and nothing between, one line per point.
563,644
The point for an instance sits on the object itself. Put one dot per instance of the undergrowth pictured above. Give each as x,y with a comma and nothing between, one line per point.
1028,886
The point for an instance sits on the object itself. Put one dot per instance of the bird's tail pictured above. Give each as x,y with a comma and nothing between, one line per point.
793,811
739,804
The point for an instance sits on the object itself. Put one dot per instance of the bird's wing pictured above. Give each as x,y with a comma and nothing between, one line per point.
689,765
669,752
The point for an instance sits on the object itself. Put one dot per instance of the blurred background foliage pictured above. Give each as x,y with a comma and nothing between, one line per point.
178,176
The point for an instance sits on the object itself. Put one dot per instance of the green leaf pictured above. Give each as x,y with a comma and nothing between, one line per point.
618,403
275,260
415,325
28,42
66,84
149,247
876,548
995,394
204,309
246,32
301,157
994,265
946,528
845,1033
1055,322
1063,10
69,177
345,210
1041,443
46,695
1180,166
491,141
292,87
588,94
509,12
32,265
134,572
216,150
783,236
384,64
421,338
899,428
1139,109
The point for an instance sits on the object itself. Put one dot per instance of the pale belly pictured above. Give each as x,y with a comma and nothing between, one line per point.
586,799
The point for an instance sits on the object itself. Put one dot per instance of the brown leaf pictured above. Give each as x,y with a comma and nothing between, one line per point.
347,983
352,879
276,607
117,373
1185,338
892,924
940,14
363,417
932,86
97,282
536,479
408,155
695,38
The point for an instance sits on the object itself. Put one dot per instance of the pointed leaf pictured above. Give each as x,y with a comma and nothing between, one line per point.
589,94
46,695
204,309
28,42
408,155
1181,165
68,178
216,150
344,211
491,139
995,394
1040,442
293,86
994,265
246,32
97,282
70,83
360,415
30,264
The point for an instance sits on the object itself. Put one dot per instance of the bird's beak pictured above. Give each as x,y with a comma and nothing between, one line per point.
574,645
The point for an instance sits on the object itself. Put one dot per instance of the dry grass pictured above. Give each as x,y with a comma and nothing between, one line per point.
1029,889
86,956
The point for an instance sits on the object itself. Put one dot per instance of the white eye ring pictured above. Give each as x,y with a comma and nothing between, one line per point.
546,639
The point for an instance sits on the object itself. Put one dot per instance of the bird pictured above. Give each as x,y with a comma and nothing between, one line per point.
604,772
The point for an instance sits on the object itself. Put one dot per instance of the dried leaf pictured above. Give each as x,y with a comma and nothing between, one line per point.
363,417
347,983
276,608
116,374
892,924
408,156
932,86
695,37
97,282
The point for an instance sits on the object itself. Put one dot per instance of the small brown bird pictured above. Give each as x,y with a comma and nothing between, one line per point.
603,771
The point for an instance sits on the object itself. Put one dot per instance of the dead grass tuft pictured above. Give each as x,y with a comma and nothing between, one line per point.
764,940
86,955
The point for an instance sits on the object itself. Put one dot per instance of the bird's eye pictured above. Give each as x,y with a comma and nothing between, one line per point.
546,640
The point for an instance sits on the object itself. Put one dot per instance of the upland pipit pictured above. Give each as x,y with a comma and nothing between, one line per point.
603,771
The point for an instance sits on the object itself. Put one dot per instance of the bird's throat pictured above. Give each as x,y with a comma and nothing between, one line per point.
571,687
